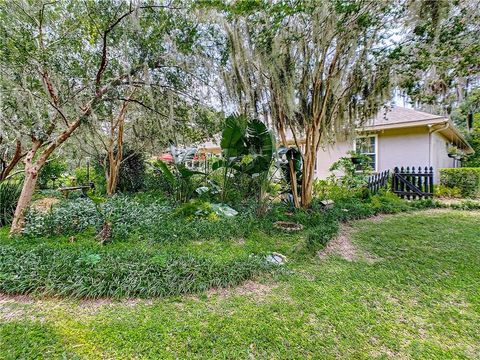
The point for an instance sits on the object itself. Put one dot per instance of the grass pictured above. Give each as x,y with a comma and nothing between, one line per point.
419,299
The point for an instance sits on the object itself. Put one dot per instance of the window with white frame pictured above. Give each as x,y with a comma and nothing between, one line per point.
367,145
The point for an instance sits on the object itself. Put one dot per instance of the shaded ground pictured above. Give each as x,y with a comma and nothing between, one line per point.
420,300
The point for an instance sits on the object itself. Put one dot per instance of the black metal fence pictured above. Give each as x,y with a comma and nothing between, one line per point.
411,184
378,181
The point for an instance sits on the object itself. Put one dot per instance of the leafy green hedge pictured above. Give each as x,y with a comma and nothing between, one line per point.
465,179
90,273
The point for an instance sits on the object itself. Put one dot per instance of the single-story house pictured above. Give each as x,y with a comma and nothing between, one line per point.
396,137
399,137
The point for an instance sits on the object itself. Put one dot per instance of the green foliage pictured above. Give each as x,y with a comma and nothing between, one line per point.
247,145
354,169
466,205
155,179
180,180
473,139
320,235
70,217
196,209
9,194
132,265
233,137
247,151
93,272
334,190
67,217
443,191
436,68
132,171
180,229
467,118
51,171
465,179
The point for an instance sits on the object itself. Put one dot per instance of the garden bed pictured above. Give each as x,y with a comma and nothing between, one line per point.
154,252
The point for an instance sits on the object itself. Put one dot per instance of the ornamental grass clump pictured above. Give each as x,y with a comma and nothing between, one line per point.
9,194
93,273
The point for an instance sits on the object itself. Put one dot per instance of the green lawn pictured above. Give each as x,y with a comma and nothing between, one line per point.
419,298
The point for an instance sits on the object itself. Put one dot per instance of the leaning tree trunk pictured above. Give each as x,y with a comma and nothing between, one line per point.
291,164
32,170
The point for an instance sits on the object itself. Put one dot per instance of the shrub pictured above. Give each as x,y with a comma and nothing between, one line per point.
9,194
447,192
125,214
155,180
465,179
354,175
132,172
329,189
466,205
51,171
67,217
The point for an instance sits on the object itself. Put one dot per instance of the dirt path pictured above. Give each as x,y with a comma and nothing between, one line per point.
343,246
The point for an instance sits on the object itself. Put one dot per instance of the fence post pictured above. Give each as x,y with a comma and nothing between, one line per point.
431,180
394,179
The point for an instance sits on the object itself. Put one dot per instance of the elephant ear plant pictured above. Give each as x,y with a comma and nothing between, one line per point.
247,148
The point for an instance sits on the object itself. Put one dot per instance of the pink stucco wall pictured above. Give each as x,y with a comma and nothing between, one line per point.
395,147
403,147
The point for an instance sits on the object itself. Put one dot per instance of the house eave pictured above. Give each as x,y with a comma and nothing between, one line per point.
451,131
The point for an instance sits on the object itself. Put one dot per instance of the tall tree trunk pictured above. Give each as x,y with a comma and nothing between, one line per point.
115,155
308,178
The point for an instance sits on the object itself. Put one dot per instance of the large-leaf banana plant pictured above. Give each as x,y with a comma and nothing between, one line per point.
248,147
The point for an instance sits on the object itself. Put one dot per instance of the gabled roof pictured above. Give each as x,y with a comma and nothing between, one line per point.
393,117
396,115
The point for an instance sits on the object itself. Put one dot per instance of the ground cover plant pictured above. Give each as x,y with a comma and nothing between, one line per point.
157,248
415,298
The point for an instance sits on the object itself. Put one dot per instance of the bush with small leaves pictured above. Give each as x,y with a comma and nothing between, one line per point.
465,179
